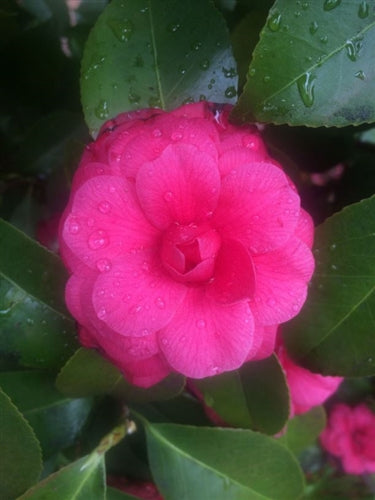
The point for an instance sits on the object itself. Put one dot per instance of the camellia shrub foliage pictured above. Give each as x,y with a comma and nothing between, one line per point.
187,249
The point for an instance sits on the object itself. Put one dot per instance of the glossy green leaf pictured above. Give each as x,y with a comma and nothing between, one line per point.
56,420
35,328
303,430
81,480
206,463
334,333
313,65
79,377
147,53
21,462
236,398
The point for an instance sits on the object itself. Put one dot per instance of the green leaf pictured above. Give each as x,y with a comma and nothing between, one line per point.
55,419
21,462
303,430
81,480
79,377
334,333
147,53
236,398
35,327
313,66
206,463
115,494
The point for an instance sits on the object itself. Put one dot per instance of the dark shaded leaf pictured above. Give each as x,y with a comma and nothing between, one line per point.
79,377
35,327
55,419
21,462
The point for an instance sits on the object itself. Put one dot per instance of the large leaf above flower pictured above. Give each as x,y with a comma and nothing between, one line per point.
313,65
145,53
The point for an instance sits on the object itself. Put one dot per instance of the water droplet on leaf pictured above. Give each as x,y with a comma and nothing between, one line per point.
101,110
331,4
313,27
363,10
305,86
274,22
122,29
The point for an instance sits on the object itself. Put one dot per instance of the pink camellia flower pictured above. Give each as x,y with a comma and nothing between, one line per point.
350,435
186,243
307,389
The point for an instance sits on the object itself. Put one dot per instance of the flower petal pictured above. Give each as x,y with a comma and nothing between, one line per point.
264,342
182,186
257,207
105,220
205,338
135,297
281,282
237,157
305,228
145,373
234,278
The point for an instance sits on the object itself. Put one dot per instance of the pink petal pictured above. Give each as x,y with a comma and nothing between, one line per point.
147,372
96,333
234,278
281,282
146,143
245,137
264,342
88,170
205,338
182,186
105,220
305,228
257,207
238,157
135,297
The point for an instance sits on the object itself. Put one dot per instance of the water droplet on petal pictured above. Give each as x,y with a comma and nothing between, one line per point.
102,313
159,302
176,136
73,226
98,239
201,323
168,196
103,265
104,207
157,132
205,64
